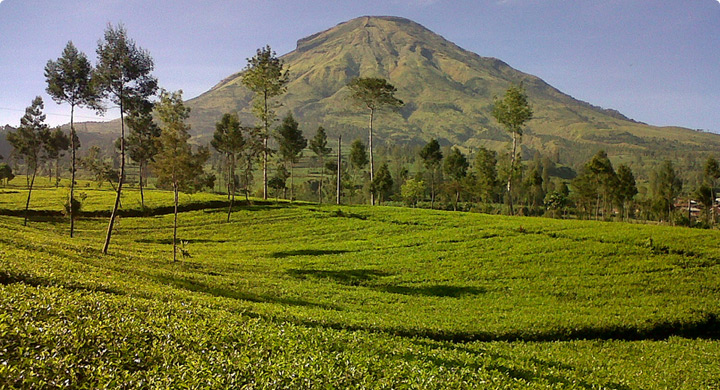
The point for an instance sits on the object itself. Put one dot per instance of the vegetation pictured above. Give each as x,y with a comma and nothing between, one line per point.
69,80
373,93
266,77
458,300
122,75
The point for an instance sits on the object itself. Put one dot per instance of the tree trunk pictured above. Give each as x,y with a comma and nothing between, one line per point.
322,178
512,171
232,175
265,147
142,194
57,172
175,190
292,184
120,181
339,163
30,187
457,198
72,170
432,189
372,163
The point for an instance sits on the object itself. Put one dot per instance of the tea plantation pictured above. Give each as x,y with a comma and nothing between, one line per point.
350,297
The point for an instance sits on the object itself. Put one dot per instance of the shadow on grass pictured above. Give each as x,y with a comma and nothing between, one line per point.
8,277
349,277
307,252
168,241
224,292
434,291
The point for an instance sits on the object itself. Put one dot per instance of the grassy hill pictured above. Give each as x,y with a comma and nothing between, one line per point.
308,296
448,93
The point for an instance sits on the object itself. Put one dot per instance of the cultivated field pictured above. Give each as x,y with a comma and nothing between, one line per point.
307,296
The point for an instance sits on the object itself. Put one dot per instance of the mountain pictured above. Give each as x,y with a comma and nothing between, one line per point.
448,93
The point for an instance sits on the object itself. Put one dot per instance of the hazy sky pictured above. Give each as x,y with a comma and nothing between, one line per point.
657,61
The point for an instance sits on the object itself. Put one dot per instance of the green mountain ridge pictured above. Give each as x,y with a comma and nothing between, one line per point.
448,93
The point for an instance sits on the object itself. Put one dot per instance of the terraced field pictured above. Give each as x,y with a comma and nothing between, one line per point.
308,296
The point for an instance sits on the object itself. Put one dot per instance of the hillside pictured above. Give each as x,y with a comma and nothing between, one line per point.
305,296
448,93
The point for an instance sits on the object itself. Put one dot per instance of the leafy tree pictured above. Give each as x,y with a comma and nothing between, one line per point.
412,191
665,186
456,166
27,143
432,157
101,169
626,187
175,164
6,173
604,178
534,184
228,139
123,76
486,173
319,146
382,184
291,142
250,154
55,144
69,81
265,77
704,195
279,180
711,173
358,161
555,201
373,93
142,142
513,111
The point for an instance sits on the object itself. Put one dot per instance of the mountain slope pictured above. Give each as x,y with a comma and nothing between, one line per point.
448,93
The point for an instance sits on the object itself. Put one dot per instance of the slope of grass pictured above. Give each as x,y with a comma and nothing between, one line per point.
306,296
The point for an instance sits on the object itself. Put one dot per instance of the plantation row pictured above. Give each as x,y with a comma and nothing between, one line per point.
302,296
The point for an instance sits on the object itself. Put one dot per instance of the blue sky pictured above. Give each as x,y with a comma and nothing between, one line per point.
657,61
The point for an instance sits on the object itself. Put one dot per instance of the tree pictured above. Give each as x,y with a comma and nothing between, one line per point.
382,184
69,81
604,178
55,143
319,146
704,195
6,173
291,142
486,173
373,93
175,164
432,156
265,77
142,142
228,139
27,143
534,183
123,76
711,173
665,186
101,169
412,191
456,166
512,112
626,187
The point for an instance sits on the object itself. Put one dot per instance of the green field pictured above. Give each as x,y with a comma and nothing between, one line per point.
307,296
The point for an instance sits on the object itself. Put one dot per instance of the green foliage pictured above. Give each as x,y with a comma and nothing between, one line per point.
382,183
513,110
358,155
373,92
291,139
665,186
266,77
358,297
6,173
486,174
412,191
